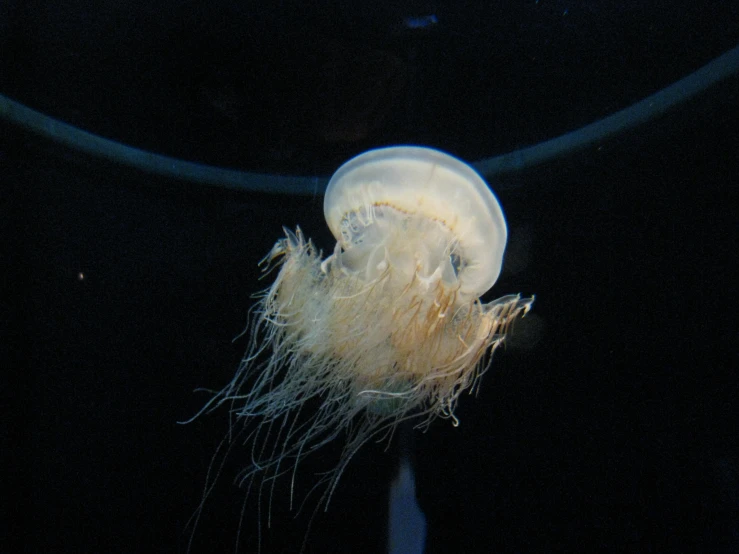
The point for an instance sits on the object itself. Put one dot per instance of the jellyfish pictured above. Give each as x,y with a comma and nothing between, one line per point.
389,327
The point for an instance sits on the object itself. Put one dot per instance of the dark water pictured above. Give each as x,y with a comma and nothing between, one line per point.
610,422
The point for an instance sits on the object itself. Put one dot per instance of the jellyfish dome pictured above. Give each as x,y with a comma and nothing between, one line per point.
386,328
451,220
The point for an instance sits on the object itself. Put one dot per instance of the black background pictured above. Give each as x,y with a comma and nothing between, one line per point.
609,423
